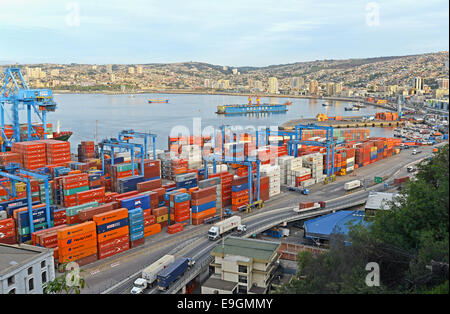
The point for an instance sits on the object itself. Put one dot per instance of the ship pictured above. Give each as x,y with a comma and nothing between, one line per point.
252,108
61,135
150,101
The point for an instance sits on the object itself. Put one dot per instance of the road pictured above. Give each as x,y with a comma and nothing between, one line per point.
116,274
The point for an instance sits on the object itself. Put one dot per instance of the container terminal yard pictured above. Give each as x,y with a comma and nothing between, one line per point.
119,206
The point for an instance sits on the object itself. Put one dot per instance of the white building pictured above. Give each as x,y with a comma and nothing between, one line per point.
273,85
248,264
25,268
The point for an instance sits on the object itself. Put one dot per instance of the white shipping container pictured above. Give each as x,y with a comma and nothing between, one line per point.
352,185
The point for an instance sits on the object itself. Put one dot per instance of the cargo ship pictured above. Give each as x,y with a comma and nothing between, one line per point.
253,108
166,101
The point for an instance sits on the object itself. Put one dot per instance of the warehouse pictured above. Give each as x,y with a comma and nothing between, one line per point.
321,229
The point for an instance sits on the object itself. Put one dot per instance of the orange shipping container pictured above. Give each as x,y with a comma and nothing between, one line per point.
71,231
204,213
112,234
110,216
75,240
78,255
152,229
64,251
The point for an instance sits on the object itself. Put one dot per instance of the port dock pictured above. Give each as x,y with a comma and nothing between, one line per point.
353,122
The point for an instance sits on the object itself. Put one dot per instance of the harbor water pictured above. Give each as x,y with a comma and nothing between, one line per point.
101,116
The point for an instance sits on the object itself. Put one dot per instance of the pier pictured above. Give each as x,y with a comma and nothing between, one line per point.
354,122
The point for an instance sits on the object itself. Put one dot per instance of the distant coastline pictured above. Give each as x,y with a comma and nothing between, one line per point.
193,92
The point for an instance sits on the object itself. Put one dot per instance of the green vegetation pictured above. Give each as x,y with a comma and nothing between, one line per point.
71,282
409,243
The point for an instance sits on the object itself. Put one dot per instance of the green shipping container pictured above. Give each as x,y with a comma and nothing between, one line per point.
124,167
72,211
26,230
75,190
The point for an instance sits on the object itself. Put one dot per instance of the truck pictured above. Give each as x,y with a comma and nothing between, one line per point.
303,191
348,186
415,151
149,274
175,270
224,226
306,206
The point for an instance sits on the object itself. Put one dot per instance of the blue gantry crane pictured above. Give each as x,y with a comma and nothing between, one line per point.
329,143
15,95
126,135
114,143
12,171
214,158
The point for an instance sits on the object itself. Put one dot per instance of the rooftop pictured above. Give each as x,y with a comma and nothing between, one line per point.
256,249
379,200
217,283
13,256
339,222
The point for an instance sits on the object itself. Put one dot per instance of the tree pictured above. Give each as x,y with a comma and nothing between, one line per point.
71,282
407,242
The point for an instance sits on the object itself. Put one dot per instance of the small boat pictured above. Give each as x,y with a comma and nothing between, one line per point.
326,105
353,108
359,105
158,101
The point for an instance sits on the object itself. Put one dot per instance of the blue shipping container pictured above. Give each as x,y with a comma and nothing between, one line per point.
112,225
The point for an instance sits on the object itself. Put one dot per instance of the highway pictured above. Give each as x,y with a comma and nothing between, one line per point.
116,274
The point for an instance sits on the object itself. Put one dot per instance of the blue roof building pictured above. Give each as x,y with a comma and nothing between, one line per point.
322,228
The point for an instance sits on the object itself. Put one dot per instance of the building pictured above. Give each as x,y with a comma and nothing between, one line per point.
313,87
273,85
248,264
338,88
320,230
54,72
207,83
112,77
418,84
443,83
25,268
331,89
379,201
235,71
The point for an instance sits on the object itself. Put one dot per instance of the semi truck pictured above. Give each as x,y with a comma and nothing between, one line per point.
149,274
221,227
348,186
307,206
175,270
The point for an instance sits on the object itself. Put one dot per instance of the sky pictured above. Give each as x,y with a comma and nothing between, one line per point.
231,32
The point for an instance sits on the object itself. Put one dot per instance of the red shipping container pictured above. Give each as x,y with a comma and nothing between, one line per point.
150,220
113,242
137,242
107,252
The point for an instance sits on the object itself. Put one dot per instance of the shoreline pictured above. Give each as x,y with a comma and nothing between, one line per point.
192,92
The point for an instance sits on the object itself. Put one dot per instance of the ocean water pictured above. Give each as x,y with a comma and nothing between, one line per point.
101,116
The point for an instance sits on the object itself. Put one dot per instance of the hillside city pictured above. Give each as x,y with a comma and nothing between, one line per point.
424,76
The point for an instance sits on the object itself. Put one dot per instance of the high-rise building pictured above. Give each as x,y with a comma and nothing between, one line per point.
338,88
443,83
330,89
109,68
112,77
130,70
235,71
54,72
313,87
207,83
273,85
418,83
139,69
295,83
